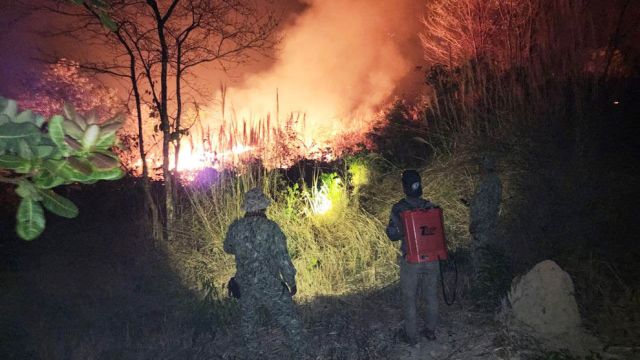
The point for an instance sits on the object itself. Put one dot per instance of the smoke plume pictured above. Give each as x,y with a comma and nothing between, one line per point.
338,62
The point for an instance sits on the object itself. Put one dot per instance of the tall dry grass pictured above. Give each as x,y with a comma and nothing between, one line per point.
501,68
343,251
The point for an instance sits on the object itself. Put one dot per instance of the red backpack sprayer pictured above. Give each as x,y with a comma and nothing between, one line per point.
426,241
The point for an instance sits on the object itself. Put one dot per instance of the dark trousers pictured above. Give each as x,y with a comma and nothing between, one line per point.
411,276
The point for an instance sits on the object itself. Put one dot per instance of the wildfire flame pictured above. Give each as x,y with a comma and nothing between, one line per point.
331,76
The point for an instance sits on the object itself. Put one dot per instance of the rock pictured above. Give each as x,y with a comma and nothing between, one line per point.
542,303
544,299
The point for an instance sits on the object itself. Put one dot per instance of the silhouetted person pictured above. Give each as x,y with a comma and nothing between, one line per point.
413,274
483,213
265,276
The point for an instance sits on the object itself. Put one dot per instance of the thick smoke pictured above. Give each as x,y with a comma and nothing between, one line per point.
338,62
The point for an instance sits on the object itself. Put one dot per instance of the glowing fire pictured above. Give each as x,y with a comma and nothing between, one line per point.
330,78
191,160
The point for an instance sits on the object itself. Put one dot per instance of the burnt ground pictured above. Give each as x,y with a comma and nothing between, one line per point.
95,287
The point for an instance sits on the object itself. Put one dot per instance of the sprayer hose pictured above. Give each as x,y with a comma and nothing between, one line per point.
455,282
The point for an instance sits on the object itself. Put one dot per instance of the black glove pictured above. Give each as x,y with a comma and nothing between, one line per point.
233,288
294,290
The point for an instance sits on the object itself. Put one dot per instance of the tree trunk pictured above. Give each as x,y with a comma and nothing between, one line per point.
178,134
150,204
164,113
156,224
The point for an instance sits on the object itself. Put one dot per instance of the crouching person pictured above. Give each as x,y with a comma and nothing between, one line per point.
414,274
265,276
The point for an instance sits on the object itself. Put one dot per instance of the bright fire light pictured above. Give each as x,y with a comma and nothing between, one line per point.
321,203
197,160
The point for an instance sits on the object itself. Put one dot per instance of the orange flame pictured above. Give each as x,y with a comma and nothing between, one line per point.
338,64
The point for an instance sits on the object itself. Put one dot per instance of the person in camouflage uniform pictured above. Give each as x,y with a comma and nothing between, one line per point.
264,272
483,212
412,275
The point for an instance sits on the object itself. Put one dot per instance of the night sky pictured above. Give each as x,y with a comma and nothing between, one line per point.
23,45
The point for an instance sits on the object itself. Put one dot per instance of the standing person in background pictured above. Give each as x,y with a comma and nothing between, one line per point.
411,275
483,213
265,276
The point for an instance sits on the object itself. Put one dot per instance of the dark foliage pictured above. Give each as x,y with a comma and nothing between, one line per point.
400,137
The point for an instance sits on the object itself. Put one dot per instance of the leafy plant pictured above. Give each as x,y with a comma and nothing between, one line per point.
38,155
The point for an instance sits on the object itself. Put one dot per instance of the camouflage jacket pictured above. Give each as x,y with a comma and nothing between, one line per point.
485,205
394,229
260,249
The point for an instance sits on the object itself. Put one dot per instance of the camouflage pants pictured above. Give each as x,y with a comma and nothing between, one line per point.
411,277
281,308
480,241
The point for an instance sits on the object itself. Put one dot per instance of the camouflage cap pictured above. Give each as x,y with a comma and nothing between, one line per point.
255,200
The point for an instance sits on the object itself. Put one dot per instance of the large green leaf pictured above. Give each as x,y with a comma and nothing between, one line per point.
117,120
25,117
14,132
4,119
109,129
80,164
25,189
30,219
113,174
44,179
15,163
69,111
55,166
24,150
43,151
103,161
64,169
73,129
38,120
90,136
73,143
58,205
10,108
56,133
106,143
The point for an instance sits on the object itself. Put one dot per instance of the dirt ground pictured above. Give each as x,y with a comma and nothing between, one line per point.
367,326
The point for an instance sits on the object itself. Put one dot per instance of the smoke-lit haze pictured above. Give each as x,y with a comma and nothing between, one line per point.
339,61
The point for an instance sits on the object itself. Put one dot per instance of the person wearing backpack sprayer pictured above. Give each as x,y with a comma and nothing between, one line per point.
414,273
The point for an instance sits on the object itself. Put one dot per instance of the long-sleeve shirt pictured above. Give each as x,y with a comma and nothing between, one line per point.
260,250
